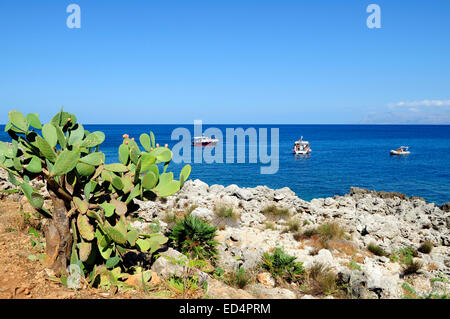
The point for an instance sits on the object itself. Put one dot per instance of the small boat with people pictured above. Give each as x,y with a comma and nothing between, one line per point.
204,141
402,150
301,147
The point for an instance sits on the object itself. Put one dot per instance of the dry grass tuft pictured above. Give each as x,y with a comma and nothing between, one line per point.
426,247
376,250
321,280
274,213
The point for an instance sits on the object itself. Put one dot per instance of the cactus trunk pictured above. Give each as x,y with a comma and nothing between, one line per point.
58,237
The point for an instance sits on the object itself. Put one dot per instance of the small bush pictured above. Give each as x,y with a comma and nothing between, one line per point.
170,217
426,247
274,213
393,258
293,225
376,250
225,216
240,278
183,286
282,265
326,232
223,211
218,273
412,267
193,236
406,257
321,280
407,254
330,231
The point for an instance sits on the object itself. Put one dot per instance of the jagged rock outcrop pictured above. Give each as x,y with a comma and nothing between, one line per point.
391,220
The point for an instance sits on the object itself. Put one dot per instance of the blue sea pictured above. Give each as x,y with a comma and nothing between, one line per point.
342,156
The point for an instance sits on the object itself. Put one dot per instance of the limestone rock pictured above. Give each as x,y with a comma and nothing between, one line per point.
218,290
266,279
203,213
260,291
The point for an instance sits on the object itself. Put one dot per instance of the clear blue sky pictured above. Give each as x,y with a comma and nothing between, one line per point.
243,61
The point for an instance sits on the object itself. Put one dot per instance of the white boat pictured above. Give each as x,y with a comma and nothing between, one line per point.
204,141
402,150
301,147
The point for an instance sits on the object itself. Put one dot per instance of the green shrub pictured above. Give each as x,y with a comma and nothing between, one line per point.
406,257
194,236
183,285
282,265
218,273
407,254
376,250
426,247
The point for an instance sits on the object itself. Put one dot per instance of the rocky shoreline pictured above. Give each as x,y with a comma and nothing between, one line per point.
391,221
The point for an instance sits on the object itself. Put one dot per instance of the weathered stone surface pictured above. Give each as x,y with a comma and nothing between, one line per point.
263,292
380,281
218,290
266,279
165,265
203,213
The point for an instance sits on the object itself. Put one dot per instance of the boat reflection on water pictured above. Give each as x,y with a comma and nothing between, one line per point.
302,157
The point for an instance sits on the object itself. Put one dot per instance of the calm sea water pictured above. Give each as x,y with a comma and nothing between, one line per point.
342,156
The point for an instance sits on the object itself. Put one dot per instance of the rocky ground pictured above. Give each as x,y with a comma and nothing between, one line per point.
264,219
392,221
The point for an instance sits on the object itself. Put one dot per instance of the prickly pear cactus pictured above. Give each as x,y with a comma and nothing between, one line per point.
96,195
